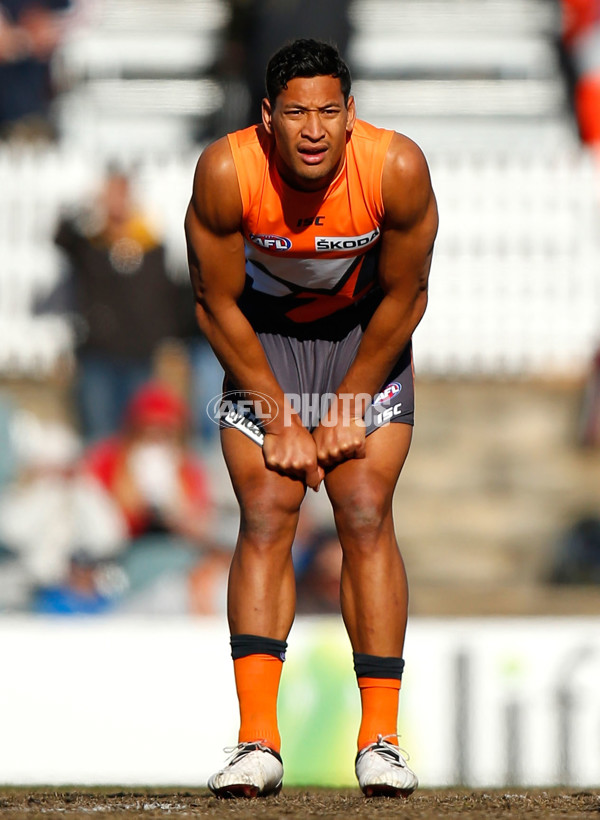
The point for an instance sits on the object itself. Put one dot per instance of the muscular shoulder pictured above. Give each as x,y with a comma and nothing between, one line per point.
216,196
406,184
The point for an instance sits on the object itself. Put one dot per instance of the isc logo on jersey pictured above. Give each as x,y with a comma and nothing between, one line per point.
345,243
271,242
388,393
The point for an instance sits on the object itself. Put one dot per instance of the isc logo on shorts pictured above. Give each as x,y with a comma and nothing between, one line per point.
387,415
345,243
271,242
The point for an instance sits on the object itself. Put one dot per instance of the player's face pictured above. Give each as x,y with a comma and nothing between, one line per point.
310,123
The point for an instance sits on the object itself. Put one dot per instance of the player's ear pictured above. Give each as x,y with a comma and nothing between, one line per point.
267,115
351,116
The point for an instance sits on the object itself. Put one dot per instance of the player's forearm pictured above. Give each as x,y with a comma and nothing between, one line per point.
239,351
237,347
384,339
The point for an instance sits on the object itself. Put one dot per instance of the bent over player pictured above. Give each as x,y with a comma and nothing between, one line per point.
310,239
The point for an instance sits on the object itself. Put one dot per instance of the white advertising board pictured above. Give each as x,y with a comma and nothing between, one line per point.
127,701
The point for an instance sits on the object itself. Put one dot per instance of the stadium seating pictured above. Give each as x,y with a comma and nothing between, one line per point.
136,75
475,75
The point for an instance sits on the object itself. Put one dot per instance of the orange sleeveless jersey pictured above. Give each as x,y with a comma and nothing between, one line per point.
311,258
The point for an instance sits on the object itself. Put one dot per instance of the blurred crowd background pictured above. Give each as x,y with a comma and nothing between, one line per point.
113,495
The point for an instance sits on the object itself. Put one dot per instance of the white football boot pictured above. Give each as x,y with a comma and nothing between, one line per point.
382,770
254,770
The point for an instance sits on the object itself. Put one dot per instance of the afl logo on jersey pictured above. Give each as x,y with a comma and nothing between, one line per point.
271,242
388,393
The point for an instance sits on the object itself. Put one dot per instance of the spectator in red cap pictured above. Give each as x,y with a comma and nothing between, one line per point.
155,479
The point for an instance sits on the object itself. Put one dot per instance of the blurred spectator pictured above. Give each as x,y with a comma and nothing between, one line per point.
318,574
30,31
124,302
79,593
577,557
161,491
149,470
49,512
581,51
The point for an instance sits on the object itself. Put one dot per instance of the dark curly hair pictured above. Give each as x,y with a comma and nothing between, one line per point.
305,58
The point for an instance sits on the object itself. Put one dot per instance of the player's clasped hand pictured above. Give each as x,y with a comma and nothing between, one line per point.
292,451
340,441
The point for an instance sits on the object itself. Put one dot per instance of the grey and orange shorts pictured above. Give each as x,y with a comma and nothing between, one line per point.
309,371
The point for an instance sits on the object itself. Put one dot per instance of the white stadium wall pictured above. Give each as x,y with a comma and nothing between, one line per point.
492,702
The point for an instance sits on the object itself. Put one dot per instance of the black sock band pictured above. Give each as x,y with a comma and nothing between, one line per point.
374,666
244,645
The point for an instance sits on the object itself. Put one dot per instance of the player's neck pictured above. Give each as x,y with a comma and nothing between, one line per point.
304,184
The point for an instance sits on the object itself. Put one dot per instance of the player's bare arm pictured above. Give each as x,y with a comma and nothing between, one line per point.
216,261
408,236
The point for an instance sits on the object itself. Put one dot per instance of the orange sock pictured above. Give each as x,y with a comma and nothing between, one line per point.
379,699
257,682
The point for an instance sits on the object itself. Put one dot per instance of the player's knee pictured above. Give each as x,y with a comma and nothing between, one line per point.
266,521
362,512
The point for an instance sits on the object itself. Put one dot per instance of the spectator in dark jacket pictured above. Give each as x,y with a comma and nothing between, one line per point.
124,302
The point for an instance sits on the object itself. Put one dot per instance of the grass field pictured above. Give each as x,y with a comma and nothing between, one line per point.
75,803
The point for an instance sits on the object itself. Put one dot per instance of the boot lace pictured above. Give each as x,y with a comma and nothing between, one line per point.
242,749
390,751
